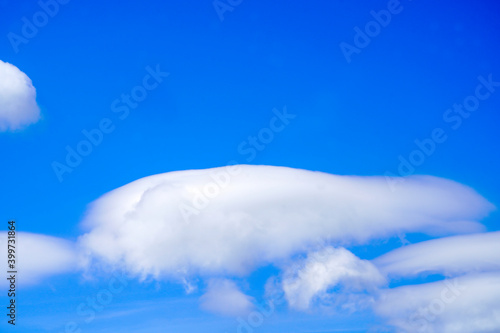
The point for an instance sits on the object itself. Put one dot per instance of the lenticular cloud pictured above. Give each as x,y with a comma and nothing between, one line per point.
18,107
450,256
233,219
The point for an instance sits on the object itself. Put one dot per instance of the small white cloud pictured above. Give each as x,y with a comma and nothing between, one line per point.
39,256
329,268
189,286
224,298
449,256
18,107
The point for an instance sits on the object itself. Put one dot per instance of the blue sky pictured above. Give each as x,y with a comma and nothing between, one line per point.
227,79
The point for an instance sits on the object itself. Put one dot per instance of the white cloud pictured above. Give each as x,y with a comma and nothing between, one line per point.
449,256
470,302
312,278
273,215
224,298
18,107
263,215
461,305
39,256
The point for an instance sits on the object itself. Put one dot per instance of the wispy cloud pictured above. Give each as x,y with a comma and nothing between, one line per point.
464,304
223,297
449,256
39,256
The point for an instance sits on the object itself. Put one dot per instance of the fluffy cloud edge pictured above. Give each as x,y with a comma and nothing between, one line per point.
18,106
310,280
